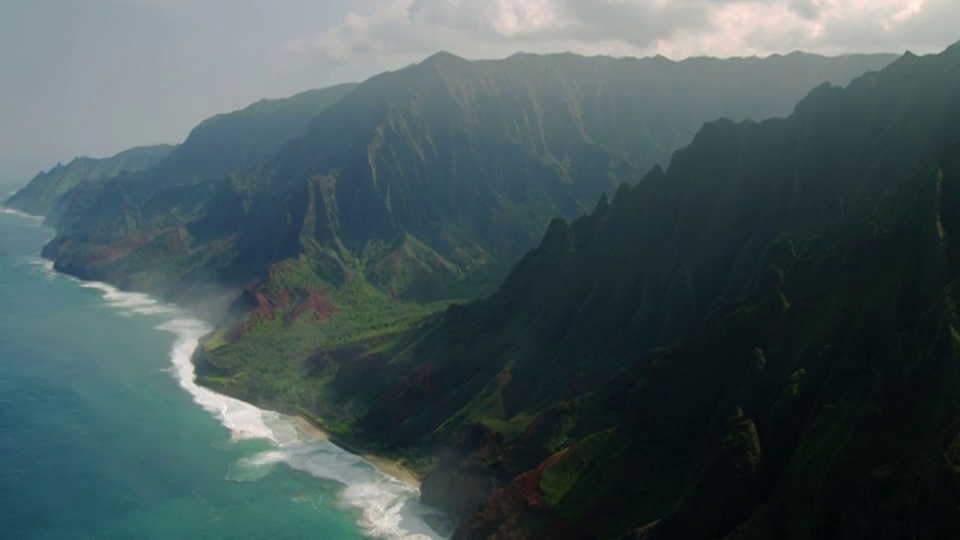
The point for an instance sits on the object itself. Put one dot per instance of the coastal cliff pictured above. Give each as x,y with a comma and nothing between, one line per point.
757,339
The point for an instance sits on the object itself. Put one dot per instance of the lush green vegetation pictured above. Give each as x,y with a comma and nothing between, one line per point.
425,182
760,340
277,360
240,140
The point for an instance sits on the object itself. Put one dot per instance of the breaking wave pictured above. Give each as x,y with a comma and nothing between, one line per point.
388,507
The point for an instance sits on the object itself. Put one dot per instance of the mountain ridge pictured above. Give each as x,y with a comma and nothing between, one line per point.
348,245
429,197
367,108
40,196
720,264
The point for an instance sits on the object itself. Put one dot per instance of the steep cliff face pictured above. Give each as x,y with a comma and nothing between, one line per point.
417,188
217,147
140,229
686,336
240,140
773,309
647,268
43,196
472,159
443,172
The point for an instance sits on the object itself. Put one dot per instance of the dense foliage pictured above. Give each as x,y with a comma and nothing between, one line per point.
760,340
417,187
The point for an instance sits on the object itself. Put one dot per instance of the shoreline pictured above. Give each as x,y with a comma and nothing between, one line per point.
312,428
308,429
387,466
307,426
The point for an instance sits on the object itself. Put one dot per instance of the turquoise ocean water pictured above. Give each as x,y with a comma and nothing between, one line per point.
103,433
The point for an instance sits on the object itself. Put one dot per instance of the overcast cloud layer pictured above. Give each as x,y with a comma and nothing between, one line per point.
96,76
674,28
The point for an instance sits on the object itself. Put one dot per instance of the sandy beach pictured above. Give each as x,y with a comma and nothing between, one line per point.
384,465
310,429
394,469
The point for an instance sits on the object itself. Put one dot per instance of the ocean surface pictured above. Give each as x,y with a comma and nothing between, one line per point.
103,433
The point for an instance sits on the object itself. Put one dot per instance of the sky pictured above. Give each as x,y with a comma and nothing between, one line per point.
94,77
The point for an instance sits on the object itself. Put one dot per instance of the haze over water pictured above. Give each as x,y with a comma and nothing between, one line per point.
103,433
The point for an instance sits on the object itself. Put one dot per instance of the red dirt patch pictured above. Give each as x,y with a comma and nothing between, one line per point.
313,303
527,484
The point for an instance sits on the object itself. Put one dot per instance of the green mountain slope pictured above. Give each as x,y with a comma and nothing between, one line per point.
218,146
478,156
420,187
241,139
109,217
41,195
760,341
339,254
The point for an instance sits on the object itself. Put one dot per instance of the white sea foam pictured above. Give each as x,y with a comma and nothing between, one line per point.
389,508
18,213
41,266
130,303
242,419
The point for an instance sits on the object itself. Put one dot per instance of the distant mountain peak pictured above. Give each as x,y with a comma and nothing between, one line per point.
442,56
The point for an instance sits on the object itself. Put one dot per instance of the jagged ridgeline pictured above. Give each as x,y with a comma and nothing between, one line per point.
215,148
426,185
761,341
422,185
44,195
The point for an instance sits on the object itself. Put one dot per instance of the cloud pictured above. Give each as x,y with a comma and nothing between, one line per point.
404,27
407,29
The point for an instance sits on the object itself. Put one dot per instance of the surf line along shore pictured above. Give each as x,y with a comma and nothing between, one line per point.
187,377
386,494
386,466
308,428
192,334
311,430
385,509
